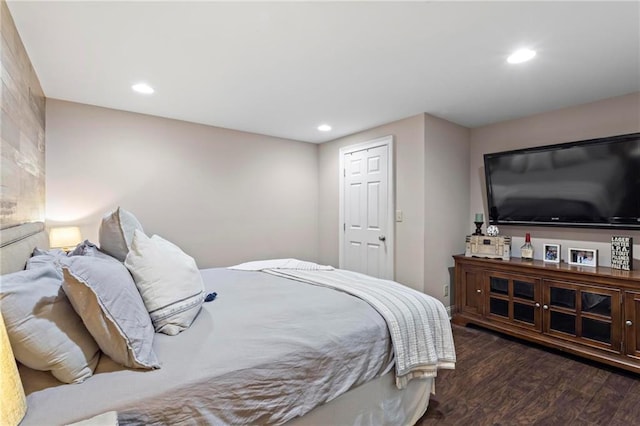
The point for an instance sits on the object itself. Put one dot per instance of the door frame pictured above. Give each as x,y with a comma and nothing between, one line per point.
391,182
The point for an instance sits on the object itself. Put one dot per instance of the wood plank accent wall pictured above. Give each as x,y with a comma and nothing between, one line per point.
22,125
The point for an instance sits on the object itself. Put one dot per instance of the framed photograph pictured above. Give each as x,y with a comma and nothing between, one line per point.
583,257
552,253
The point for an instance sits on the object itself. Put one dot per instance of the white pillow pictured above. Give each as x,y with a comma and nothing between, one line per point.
168,280
116,233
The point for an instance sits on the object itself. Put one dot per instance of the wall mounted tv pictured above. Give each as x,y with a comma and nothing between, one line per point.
591,183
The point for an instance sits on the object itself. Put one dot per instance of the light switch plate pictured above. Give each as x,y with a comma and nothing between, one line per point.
398,215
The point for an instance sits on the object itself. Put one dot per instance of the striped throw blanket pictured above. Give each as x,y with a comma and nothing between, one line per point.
418,324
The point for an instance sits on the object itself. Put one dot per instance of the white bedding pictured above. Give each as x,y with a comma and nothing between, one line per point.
266,351
257,326
300,265
418,323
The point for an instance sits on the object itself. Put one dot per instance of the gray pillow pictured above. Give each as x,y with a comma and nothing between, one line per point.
116,233
45,332
41,258
87,248
54,256
103,293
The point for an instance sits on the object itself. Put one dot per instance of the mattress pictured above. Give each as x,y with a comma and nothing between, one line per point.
266,351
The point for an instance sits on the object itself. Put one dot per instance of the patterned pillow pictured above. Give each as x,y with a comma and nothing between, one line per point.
168,281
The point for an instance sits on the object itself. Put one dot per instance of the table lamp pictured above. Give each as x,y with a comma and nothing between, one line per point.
65,237
13,403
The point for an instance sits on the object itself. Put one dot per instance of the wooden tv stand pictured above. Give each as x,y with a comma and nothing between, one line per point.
586,311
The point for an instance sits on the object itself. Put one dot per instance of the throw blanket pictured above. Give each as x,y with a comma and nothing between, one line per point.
418,324
261,265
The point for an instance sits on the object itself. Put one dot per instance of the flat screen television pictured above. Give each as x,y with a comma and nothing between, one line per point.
591,183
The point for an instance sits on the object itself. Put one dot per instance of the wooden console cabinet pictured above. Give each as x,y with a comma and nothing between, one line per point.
590,312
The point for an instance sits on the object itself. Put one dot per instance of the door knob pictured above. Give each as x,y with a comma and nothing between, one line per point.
628,323
382,238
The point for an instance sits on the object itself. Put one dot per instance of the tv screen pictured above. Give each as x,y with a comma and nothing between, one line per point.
594,183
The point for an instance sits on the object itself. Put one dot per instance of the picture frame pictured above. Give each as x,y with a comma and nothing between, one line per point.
551,253
582,257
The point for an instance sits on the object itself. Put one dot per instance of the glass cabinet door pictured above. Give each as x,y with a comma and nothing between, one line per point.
598,327
562,305
499,296
590,314
524,306
514,299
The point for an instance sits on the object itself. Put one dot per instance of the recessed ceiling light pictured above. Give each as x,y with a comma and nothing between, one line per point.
522,55
143,88
324,127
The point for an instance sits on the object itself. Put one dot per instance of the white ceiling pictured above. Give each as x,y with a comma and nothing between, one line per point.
283,68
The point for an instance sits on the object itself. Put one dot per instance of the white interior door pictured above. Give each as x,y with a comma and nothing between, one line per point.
367,227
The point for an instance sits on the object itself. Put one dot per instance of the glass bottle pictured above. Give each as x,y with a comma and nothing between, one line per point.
526,251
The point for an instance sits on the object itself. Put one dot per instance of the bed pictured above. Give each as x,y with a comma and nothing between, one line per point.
269,349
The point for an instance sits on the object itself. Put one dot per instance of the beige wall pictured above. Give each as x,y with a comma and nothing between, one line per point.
446,202
408,137
22,169
224,196
431,165
608,117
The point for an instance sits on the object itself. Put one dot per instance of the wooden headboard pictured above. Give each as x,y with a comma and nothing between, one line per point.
17,244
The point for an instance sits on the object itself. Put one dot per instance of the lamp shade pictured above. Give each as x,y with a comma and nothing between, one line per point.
13,403
64,237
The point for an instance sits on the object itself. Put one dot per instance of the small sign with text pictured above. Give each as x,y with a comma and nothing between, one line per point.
622,253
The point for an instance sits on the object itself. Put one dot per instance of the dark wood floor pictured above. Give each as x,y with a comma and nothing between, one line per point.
499,380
